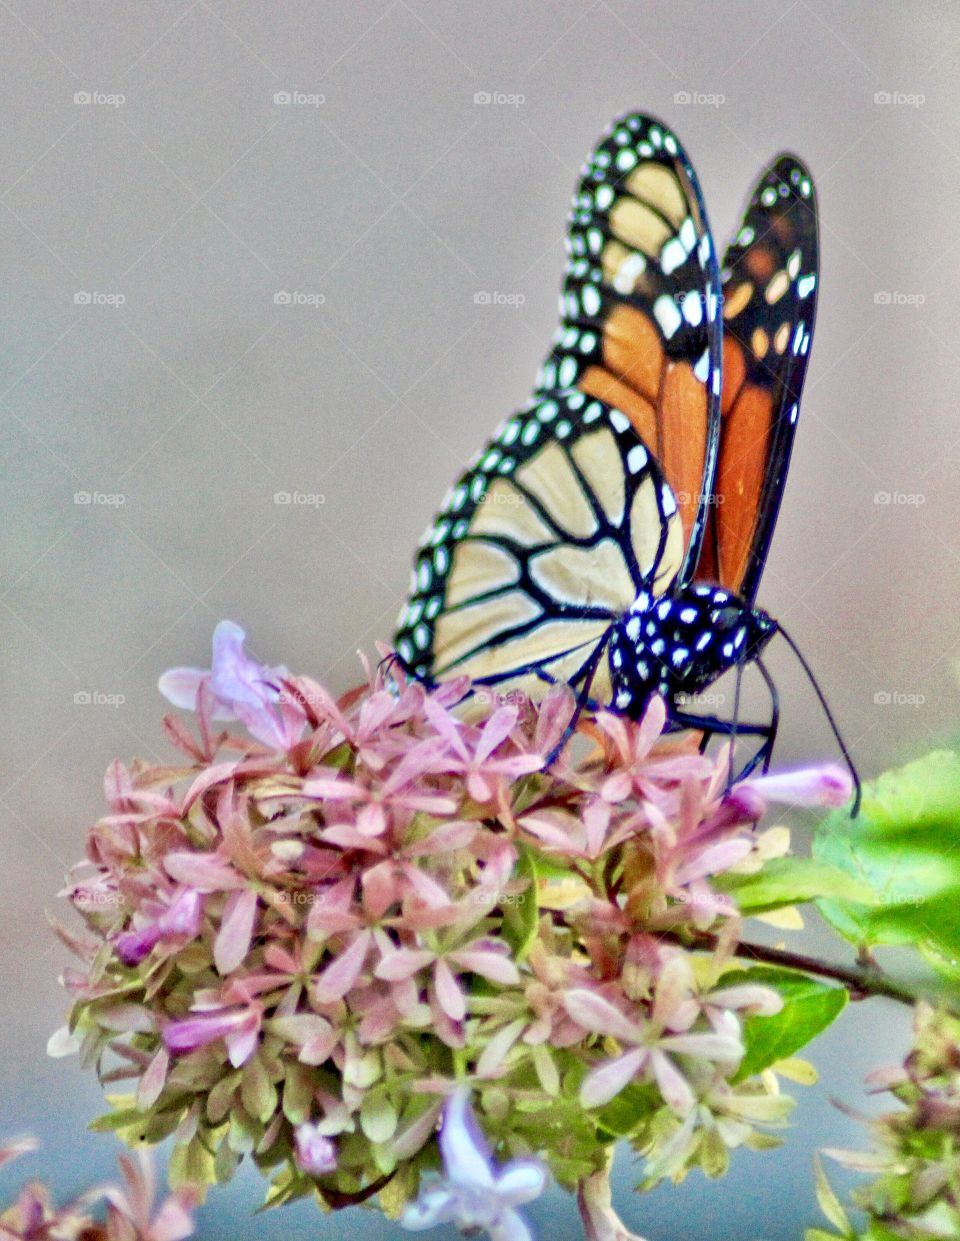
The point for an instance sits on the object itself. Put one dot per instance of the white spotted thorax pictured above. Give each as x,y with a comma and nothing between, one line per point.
681,643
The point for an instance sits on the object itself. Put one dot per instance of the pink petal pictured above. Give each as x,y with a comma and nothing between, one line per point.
446,838
491,965
496,730
598,1016
605,1082
173,1222
236,930
426,888
762,1000
153,1080
332,788
714,860
380,889
707,1046
180,687
829,785
204,871
341,974
674,1087
404,963
449,995
495,1052
446,726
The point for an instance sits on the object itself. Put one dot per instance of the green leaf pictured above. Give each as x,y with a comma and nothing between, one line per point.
257,1090
191,1164
906,846
809,1006
791,881
630,1110
521,913
829,1202
298,1088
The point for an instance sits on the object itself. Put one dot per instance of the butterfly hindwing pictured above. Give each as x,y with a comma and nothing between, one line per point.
770,275
539,549
640,325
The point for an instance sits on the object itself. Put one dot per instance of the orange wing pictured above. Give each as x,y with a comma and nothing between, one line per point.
769,303
640,327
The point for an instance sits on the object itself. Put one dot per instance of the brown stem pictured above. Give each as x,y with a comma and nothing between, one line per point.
600,1221
860,980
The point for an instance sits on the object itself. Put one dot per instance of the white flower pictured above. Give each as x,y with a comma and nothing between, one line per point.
475,1193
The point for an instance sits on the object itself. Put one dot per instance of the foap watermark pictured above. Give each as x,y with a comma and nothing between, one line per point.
287,297
504,499
499,698
298,99
899,499
94,297
896,297
713,498
98,698
699,98
898,99
498,99
299,499
98,99
898,698
709,700
102,499
495,297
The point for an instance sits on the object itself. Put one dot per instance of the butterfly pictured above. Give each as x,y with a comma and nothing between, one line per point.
613,533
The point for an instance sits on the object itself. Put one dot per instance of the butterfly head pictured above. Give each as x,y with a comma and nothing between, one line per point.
681,643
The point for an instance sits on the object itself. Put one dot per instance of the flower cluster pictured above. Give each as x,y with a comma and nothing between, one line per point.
299,947
129,1216
915,1160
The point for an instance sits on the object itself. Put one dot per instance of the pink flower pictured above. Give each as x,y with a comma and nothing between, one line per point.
828,785
475,762
241,689
487,957
315,1154
650,1052
239,1028
179,922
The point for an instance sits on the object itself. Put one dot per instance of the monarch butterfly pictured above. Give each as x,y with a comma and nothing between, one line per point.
613,533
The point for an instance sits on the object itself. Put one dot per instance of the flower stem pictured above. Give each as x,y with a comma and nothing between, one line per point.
860,980
600,1221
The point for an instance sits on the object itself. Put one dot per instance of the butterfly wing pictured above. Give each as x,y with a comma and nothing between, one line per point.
539,548
770,275
640,326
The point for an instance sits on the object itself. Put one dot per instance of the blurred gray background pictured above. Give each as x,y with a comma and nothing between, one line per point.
240,250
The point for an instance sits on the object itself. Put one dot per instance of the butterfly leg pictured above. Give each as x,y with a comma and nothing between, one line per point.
587,672
711,727
774,716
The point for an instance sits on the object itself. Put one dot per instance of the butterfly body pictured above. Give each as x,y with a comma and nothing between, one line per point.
679,645
612,533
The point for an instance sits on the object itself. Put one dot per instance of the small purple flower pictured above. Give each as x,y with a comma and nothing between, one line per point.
475,1192
316,1154
179,921
827,785
238,1027
241,689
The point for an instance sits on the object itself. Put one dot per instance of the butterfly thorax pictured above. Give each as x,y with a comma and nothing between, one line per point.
681,642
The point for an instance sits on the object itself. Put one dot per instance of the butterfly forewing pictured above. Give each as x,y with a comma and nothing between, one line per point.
640,324
770,277
539,549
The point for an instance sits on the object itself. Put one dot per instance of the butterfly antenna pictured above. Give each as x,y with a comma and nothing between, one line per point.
857,785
